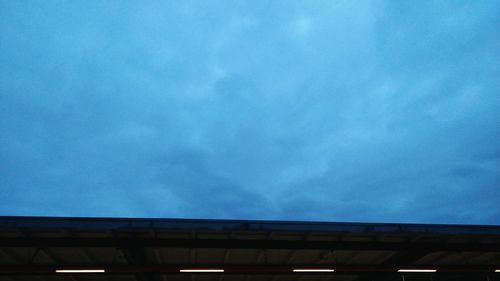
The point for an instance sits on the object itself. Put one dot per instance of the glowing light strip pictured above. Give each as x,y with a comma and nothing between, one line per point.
201,270
497,270
313,270
80,271
417,270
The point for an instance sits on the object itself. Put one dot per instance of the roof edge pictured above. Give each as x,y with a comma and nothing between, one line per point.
181,224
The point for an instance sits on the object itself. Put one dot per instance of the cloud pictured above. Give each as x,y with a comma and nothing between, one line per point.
345,111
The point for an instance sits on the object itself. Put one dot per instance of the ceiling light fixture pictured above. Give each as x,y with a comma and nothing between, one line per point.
417,270
201,270
80,271
314,270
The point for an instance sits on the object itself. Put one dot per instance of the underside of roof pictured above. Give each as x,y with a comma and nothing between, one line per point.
35,248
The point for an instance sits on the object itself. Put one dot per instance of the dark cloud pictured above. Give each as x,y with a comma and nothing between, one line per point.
345,110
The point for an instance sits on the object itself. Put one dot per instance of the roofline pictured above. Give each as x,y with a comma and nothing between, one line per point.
178,224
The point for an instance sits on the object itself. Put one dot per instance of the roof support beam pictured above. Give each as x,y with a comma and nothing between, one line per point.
121,242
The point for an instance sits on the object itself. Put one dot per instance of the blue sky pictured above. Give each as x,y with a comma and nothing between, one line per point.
371,111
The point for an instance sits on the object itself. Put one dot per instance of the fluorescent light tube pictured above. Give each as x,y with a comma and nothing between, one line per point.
80,270
497,270
201,270
417,270
313,270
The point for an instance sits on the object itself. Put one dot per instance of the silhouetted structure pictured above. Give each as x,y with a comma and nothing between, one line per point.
43,248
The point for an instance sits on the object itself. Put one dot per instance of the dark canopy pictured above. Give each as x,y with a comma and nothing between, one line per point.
34,248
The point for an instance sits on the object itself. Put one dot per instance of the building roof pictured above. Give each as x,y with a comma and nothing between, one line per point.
158,249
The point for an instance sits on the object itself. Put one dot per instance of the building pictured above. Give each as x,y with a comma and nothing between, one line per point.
56,248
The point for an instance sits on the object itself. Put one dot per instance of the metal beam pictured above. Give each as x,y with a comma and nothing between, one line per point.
122,242
398,258
135,256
